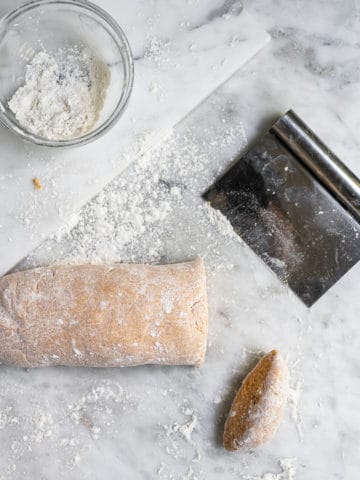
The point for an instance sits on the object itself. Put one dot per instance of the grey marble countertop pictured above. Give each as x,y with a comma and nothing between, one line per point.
166,423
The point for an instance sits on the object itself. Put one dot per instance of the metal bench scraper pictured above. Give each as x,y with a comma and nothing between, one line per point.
296,205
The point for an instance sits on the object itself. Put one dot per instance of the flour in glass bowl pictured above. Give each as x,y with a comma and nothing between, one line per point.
62,95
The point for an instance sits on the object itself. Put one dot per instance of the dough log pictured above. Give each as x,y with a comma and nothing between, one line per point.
104,316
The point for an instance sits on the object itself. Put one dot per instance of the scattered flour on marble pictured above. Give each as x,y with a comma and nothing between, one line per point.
217,219
160,468
100,395
296,378
158,52
177,431
128,221
165,475
293,400
42,426
288,466
7,417
190,475
156,89
186,429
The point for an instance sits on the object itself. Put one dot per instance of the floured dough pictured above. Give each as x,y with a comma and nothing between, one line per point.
104,316
258,405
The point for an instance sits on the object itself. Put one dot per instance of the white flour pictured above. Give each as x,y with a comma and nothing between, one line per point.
184,431
63,96
129,220
221,223
294,396
288,466
65,429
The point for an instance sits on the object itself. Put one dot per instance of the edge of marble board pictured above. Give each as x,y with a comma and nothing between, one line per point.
20,253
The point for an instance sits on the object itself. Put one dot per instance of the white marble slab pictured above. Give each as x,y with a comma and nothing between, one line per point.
182,51
109,423
95,424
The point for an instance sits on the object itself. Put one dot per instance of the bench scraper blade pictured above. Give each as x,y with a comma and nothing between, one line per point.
296,205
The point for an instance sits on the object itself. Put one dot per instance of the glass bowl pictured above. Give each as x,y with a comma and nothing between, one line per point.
54,26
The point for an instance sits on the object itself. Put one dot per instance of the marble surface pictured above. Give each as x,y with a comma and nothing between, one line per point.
166,423
182,52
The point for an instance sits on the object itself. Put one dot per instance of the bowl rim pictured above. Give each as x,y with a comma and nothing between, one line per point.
128,66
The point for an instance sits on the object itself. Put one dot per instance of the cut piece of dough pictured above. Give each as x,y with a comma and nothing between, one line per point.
104,316
258,405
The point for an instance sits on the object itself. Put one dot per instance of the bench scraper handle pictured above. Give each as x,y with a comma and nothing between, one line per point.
320,160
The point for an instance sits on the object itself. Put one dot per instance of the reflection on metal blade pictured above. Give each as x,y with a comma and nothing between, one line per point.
288,218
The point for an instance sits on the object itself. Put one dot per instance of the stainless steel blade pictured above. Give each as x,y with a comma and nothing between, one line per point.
285,214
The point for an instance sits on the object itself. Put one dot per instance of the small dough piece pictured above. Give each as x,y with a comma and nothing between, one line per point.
104,316
258,405
37,183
